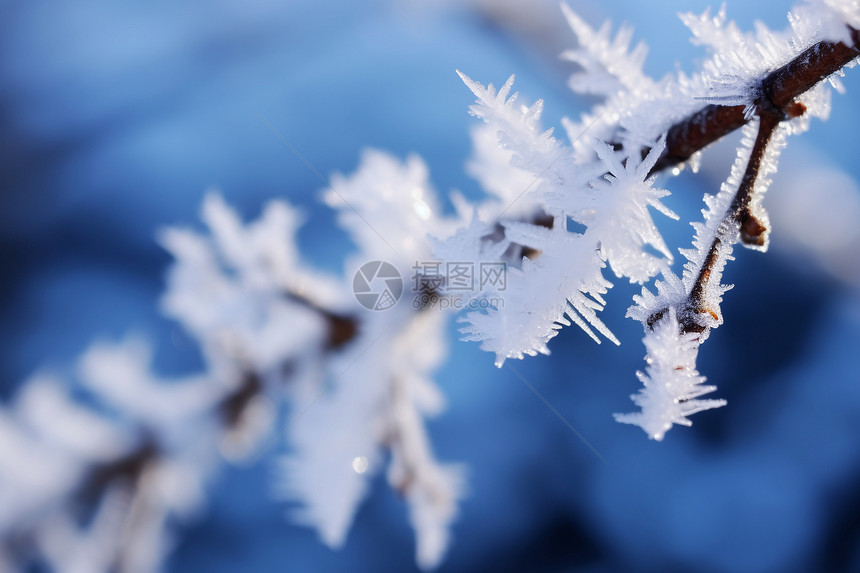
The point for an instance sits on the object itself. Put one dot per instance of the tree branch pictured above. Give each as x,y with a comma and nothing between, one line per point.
775,103
737,219
779,88
130,470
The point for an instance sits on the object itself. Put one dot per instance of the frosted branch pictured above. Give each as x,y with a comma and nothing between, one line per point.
779,88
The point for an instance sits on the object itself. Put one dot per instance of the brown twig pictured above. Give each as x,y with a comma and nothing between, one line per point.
341,328
776,102
740,219
780,88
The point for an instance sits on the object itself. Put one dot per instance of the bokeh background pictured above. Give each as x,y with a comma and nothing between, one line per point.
115,118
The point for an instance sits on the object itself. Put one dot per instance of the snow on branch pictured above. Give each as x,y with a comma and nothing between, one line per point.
736,213
273,331
607,63
799,73
371,396
566,283
624,234
756,77
672,385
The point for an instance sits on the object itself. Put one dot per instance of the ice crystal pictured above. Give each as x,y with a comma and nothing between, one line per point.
672,385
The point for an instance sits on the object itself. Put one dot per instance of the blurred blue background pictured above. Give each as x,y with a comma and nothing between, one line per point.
116,117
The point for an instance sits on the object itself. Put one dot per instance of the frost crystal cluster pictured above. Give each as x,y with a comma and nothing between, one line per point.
289,351
603,184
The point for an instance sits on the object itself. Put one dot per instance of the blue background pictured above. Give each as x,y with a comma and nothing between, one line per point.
116,117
